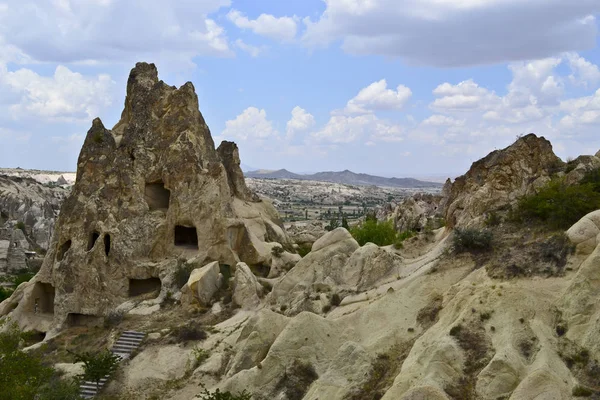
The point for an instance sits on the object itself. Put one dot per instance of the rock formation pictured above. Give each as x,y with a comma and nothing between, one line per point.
33,204
500,178
148,191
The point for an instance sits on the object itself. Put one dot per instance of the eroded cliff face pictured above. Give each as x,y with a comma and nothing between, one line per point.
149,191
499,179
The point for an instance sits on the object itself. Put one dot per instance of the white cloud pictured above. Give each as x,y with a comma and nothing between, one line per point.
377,96
301,121
442,32
443,120
70,31
254,51
466,95
65,96
346,129
252,123
277,28
584,73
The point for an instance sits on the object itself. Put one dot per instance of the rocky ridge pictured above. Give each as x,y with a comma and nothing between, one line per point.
342,322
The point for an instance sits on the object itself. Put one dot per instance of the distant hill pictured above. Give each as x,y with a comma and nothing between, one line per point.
346,177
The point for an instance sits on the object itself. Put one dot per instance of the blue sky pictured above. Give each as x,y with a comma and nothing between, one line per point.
389,87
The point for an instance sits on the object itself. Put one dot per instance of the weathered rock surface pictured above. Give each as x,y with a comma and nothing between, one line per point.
500,178
34,204
202,284
246,289
152,189
415,212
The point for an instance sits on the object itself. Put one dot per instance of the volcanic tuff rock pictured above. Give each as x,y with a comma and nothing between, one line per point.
148,191
500,178
34,204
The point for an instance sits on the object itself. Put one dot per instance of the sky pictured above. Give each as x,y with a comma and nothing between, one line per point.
387,87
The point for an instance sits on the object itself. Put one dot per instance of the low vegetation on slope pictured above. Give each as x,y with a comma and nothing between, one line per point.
24,376
381,233
559,204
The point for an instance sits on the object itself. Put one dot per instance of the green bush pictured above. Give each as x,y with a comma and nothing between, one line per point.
98,365
380,233
24,376
470,239
5,293
561,205
20,225
218,395
182,273
581,391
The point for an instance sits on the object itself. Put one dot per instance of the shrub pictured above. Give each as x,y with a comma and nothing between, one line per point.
25,376
333,224
581,391
189,333
304,249
182,273
380,233
492,219
296,380
472,240
336,300
455,330
560,205
22,277
114,318
277,251
200,355
20,225
218,395
592,178
561,329
98,365
5,293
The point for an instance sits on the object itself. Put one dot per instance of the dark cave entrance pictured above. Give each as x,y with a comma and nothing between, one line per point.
138,287
88,321
92,240
106,244
63,249
3,217
157,196
186,237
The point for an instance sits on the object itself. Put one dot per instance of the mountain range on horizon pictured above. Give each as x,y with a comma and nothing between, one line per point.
346,177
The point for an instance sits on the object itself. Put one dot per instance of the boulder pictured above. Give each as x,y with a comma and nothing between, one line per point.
246,289
202,284
320,270
368,265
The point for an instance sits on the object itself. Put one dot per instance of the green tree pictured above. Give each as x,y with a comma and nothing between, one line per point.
23,376
380,233
345,222
98,365
333,224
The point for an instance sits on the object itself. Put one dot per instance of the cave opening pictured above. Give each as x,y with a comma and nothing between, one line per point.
186,237
43,298
63,249
157,196
139,287
85,320
92,240
106,244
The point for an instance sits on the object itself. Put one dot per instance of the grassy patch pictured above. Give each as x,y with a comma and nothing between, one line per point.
296,380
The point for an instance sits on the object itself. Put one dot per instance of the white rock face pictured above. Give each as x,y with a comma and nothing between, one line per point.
246,289
156,364
202,284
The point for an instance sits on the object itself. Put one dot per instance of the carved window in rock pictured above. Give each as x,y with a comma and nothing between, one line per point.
63,249
106,244
157,196
92,240
186,237
42,297
138,287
